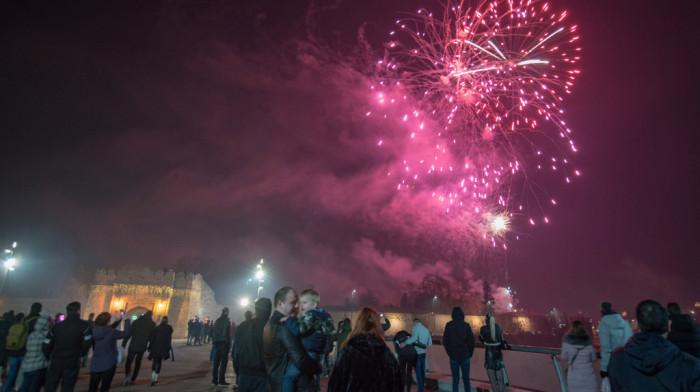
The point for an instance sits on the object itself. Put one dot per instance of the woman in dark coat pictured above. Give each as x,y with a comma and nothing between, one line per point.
491,335
159,347
365,363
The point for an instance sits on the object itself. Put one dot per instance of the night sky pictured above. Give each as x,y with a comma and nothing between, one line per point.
204,136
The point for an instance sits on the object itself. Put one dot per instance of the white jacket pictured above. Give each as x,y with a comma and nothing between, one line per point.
420,334
613,332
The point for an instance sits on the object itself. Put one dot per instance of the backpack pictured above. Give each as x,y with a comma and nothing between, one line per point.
17,335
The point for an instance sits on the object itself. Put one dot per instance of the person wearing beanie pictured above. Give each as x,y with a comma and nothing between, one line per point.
613,332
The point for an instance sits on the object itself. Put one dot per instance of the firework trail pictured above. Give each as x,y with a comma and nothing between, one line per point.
479,91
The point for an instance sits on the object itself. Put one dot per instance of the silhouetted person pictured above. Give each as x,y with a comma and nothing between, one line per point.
648,361
685,333
159,347
247,352
65,344
91,321
139,335
34,313
458,340
222,338
7,320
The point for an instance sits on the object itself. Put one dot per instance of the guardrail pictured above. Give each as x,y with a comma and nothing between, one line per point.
526,368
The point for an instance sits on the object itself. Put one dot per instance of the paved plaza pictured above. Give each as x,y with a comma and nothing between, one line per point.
191,371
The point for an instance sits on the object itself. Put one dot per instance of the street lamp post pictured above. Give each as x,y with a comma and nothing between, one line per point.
9,263
259,275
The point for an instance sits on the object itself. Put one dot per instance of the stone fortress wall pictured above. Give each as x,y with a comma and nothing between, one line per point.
178,295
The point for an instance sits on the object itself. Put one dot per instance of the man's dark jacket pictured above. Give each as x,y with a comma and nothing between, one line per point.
685,334
282,348
458,338
222,330
649,362
68,340
247,350
140,334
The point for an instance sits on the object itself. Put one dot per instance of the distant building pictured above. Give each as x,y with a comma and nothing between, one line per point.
178,295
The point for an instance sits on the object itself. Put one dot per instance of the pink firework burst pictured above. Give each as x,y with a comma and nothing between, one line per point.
480,91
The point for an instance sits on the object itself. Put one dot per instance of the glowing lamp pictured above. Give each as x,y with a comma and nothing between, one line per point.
245,302
118,303
161,305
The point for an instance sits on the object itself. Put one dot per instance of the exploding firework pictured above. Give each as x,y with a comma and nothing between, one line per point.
480,92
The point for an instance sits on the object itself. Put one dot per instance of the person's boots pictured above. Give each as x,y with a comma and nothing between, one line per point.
154,378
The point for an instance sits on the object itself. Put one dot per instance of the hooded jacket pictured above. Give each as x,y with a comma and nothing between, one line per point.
579,353
34,359
458,338
613,332
649,362
104,353
366,364
685,334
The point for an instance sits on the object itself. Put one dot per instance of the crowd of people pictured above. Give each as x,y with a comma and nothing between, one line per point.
38,351
287,343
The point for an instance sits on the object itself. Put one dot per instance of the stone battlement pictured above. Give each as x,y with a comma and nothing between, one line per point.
161,277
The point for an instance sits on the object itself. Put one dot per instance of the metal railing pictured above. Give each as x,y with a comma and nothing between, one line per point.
551,352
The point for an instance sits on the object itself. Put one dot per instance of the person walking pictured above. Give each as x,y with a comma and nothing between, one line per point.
105,352
91,321
407,357
138,337
159,347
458,340
491,335
66,342
577,349
421,339
35,363
222,338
